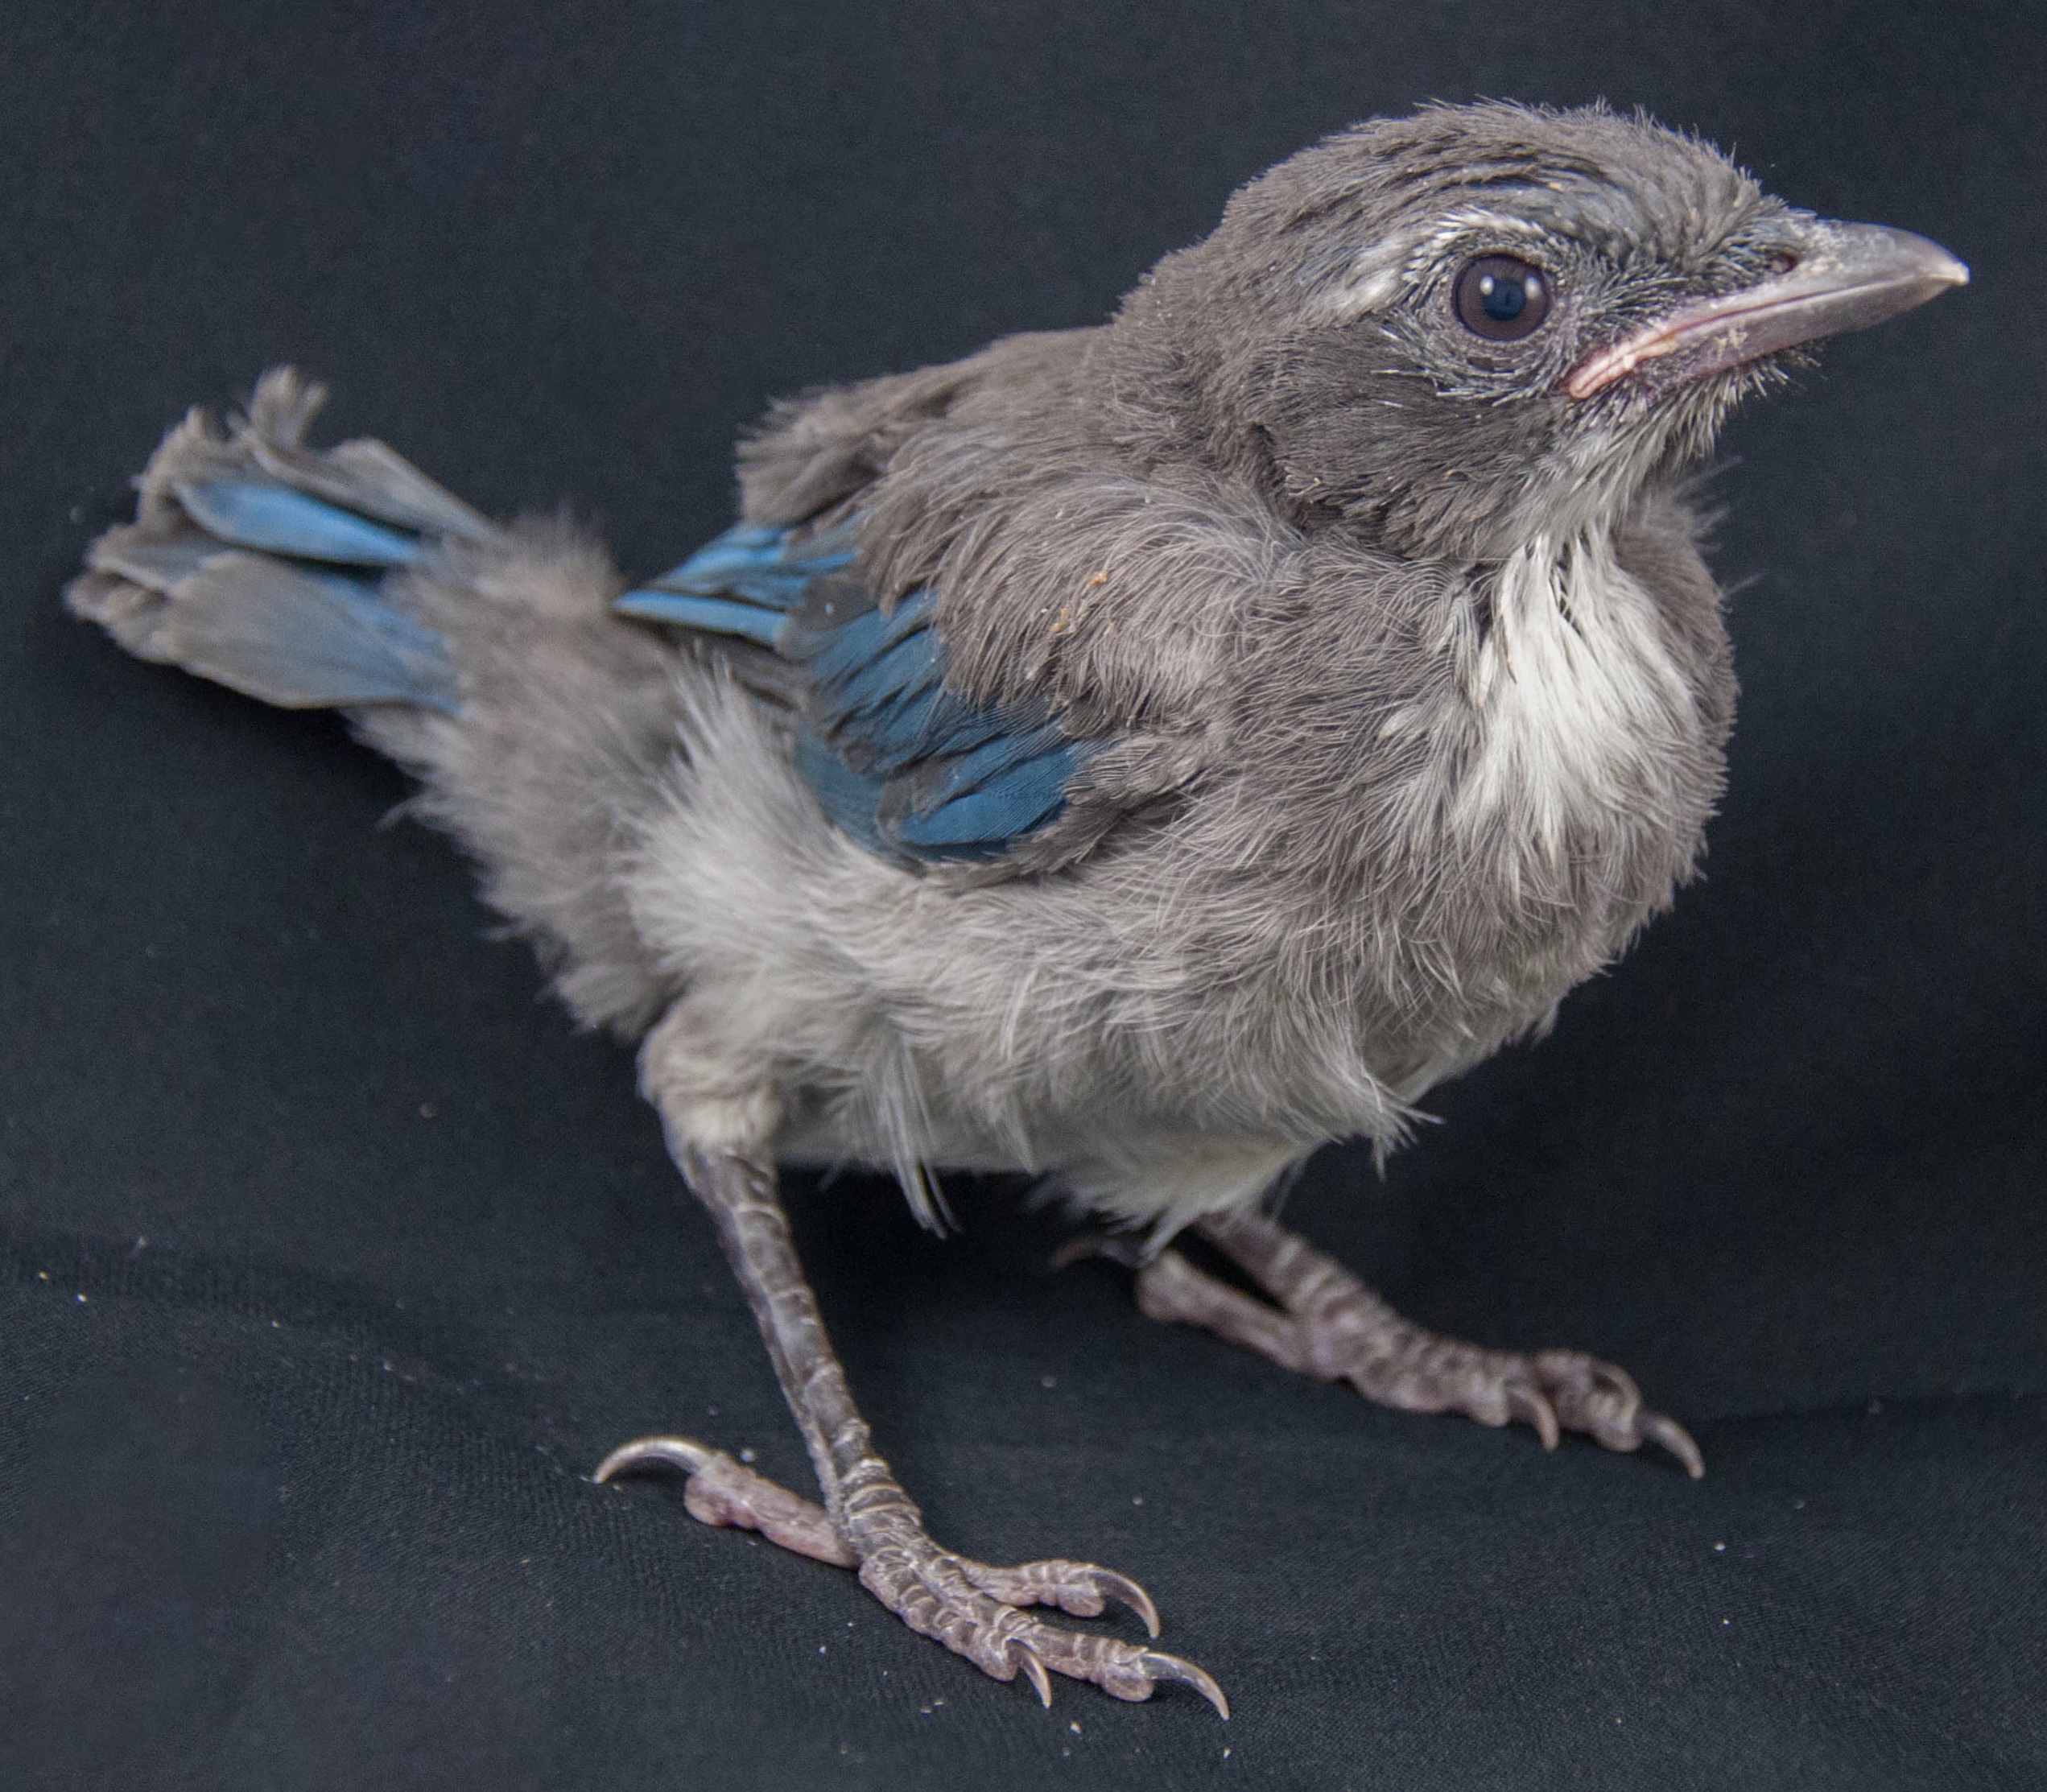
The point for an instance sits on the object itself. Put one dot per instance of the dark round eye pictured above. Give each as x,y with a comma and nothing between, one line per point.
1501,297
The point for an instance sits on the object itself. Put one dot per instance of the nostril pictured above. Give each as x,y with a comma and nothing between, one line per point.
1782,262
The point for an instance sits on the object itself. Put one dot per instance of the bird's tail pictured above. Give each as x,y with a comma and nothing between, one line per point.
483,658
260,564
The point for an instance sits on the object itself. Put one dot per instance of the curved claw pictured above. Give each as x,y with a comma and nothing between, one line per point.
1112,1585
1117,1247
1528,1404
1675,1439
1034,1671
684,1453
1159,1665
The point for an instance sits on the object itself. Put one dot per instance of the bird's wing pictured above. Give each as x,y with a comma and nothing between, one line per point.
907,767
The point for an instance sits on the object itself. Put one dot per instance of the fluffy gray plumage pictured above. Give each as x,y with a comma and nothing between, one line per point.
1407,684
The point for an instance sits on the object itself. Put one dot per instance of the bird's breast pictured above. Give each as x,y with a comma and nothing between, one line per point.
1491,831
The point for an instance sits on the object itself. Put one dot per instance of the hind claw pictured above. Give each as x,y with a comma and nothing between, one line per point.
1117,1247
684,1453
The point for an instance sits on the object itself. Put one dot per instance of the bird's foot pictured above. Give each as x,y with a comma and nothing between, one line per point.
1553,1391
1328,1324
980,1612
975,1610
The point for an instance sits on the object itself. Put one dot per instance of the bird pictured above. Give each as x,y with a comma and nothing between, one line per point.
1132,756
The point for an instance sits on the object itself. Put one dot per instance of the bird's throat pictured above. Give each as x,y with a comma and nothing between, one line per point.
1585,718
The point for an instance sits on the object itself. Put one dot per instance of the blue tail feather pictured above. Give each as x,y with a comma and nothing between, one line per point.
156,562
246,587
277,520
300,639
371,480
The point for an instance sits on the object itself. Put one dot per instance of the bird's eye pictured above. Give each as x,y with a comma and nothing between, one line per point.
1501,297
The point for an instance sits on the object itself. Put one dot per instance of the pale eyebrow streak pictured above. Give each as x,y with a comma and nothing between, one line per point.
1383,270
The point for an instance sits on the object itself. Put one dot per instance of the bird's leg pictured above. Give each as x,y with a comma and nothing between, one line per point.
1328,1324
868,1521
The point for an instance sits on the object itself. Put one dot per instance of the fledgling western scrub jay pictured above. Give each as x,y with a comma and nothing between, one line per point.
1132,755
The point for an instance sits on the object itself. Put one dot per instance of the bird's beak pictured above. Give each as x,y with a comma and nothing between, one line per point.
1847,277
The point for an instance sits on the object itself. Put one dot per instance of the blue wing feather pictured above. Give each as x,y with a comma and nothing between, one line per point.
713,615
852,798
762,566
848,687
985,824
988,765
906,766
920,726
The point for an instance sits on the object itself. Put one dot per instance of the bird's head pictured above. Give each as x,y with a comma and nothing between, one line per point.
1453,331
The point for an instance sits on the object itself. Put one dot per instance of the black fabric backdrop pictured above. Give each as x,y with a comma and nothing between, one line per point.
333,1261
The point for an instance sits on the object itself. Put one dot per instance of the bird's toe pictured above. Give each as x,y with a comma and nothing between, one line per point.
1082,1589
